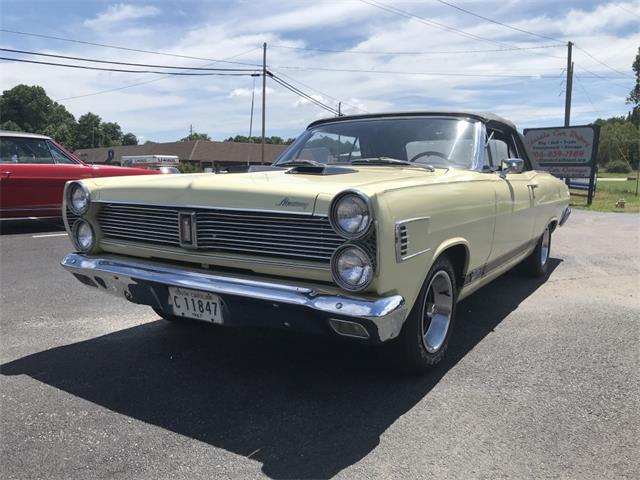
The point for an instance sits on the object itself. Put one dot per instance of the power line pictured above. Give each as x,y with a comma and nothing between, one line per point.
302,94
432,52
627,10
431,23
137,84
545,37
445,74
320,92
120,70
82,42
92,60
511,27
601,62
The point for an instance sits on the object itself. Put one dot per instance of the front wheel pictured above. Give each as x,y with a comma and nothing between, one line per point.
425,335
537,264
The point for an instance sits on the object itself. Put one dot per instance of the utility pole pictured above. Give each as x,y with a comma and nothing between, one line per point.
190,130
339,109
569,86
264,93
253,94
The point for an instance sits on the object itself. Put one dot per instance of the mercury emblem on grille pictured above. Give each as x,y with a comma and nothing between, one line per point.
188,235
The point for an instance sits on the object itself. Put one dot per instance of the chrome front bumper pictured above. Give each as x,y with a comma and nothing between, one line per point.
244,301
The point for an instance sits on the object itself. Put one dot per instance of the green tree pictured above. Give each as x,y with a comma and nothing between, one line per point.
10,125
63,133
188,167
28,106
111,134
195,136
31,110
618,142
129,139
634,94
88,134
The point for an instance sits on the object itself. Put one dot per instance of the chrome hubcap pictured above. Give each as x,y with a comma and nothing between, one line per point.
544,251
436,311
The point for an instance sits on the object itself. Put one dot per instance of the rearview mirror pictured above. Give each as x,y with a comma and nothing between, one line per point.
511,165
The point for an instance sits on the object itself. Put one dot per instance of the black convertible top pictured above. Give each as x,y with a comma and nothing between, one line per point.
486,117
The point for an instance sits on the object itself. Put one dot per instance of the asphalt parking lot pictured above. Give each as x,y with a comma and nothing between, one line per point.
541,380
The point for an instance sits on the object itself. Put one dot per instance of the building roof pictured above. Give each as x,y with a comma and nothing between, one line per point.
482,116
198,150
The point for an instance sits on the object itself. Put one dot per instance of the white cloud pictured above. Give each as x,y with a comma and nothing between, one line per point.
118,13
220,106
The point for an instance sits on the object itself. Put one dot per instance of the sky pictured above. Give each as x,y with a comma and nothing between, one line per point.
400,56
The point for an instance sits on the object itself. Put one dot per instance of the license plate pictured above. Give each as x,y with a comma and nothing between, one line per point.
195,304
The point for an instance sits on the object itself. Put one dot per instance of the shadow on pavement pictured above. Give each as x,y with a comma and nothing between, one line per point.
31,225
304,407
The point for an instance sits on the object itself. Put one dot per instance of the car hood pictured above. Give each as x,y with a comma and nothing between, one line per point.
115,171
276,190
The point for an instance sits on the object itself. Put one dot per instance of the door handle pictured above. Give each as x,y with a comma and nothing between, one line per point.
5,174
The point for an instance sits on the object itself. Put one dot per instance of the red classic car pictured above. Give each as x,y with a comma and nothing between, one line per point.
34,169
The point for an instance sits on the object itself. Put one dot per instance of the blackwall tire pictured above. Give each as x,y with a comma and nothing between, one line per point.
425,335
537,264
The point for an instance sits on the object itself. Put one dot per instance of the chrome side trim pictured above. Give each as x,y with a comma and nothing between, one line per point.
34,207
120,276
203,254
565,216
209,207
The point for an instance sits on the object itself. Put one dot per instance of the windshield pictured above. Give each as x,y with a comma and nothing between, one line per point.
434,141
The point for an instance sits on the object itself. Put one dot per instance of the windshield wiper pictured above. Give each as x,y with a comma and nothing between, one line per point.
301,162
389,161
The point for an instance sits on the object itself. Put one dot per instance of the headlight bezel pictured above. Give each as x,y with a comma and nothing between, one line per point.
74,235
338,279
70,190
333,208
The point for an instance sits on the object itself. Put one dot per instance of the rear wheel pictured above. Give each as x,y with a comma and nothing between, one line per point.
425,335
536,264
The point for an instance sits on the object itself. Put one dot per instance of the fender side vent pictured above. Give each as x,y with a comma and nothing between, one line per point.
402,240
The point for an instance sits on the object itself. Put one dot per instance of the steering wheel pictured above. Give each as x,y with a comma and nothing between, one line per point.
429,154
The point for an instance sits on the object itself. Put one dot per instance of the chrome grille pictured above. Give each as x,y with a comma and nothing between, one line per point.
158,226
286,235
281,235
71,217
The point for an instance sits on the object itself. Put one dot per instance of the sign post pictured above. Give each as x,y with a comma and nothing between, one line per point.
566,152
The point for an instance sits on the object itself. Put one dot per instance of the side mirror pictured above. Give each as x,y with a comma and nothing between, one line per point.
511,165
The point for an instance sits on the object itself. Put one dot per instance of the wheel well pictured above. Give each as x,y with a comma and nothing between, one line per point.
458,256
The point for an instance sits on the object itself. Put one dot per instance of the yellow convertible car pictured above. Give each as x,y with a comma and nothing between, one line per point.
369,227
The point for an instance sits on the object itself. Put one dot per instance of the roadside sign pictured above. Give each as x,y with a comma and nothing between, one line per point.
566,152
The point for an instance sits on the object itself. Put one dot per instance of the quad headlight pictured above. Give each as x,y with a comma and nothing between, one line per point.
352,267
350,215
78,198
82,235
